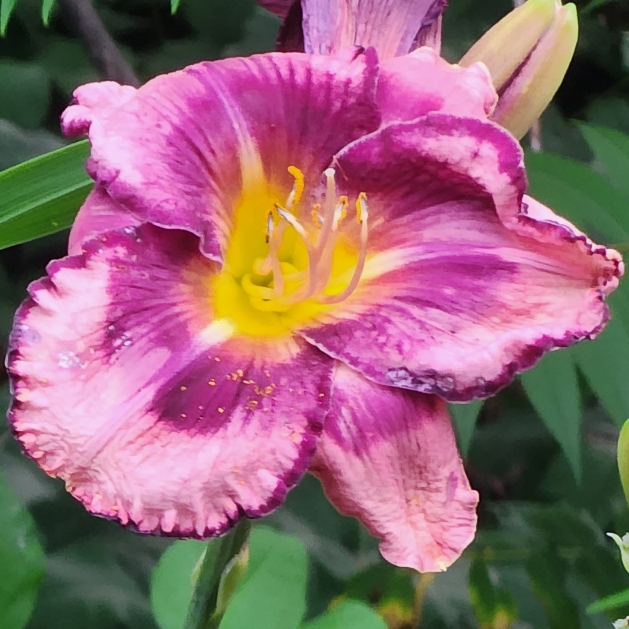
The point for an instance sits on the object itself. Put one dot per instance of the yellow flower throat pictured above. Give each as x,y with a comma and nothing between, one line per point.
281,270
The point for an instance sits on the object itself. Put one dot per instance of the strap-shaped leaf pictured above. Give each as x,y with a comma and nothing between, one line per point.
6,8
553,388
464,417
43,195
583,196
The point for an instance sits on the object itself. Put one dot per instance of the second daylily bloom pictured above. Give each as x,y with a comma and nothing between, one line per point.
283,255
527,53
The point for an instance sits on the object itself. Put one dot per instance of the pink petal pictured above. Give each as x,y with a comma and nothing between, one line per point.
279,7
389,458
390,26
465,284
97,215
422,82
150,412
180,151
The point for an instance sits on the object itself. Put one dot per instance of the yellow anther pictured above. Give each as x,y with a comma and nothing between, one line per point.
362,210
340,212
298,187
269,227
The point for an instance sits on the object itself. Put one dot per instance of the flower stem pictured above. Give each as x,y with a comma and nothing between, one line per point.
218,554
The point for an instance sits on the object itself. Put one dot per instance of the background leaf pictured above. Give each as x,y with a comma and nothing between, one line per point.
464,417
272,594
171,583
347,615
553,389
22,565
6,9
42,196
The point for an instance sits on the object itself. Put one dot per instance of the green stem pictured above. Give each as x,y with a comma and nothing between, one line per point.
218,554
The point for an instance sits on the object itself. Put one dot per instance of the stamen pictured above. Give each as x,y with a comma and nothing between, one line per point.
298,187
329,208
362,213
295,224
340,212
269,227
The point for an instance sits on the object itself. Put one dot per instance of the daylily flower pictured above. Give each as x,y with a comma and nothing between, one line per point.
527,53
291,262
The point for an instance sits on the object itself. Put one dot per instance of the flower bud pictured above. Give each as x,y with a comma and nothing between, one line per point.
527,55
623,458
623,544
505,46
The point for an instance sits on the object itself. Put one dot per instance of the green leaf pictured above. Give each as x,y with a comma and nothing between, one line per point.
594,4
553,389
605,364
609,602
206,607
6,8
465,416
171,583
27,102
174,6
46,10
347,615
583,196
43,195
272,594
611,148
22,565
493,606
548,575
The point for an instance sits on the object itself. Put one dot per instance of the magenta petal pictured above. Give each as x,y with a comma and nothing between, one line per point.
390,26
422,82
466,284
97,215
279,7
180,151
149,411
389,458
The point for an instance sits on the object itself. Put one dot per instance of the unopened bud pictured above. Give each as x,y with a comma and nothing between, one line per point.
527,55
623,458
505,46
623,545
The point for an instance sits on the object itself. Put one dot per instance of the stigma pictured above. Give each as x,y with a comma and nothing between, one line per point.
278,282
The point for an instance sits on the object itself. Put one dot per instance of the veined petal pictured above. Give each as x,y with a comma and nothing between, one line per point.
466,284
389,458
150,412
181,151
390,26
97,215
422,82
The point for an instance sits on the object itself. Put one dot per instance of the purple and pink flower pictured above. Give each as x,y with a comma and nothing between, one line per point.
290,262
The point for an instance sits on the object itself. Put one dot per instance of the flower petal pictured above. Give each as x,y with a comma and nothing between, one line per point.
97,215
279,7
422,82
389,458
180,151
149,411
390,26
465,285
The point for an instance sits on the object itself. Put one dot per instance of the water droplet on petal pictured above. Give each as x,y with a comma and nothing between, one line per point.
28,335
68,360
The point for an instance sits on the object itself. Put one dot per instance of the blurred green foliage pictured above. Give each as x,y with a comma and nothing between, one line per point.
541,453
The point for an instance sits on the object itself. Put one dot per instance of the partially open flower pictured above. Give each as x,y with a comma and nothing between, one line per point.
291,262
